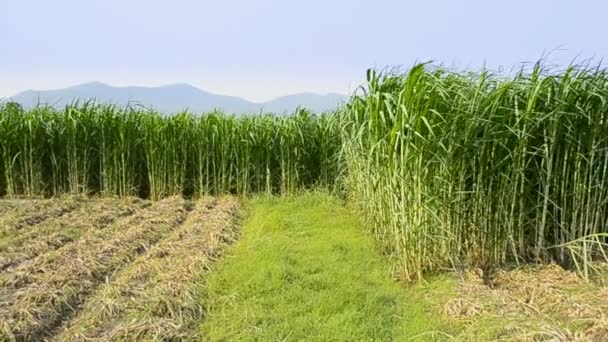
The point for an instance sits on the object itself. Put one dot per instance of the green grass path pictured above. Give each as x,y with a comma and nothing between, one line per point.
305,269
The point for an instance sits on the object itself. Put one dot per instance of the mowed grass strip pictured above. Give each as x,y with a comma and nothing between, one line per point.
97,213
157,297
38,295
304,269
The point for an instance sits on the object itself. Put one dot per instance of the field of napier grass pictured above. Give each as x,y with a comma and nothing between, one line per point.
113,218
90,148
460,169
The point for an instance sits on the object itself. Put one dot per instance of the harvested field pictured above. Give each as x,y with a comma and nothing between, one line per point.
16,215
155,298
533,303
98,213
126,269
154,250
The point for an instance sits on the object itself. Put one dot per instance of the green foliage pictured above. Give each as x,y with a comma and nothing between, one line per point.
463,168
449,168
304,269
91,148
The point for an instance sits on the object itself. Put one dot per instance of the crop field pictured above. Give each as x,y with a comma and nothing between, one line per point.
107,268
449,205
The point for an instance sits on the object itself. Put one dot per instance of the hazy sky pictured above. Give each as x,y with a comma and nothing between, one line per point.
263,49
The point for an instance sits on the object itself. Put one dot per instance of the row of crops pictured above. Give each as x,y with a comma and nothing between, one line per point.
92,148
450,168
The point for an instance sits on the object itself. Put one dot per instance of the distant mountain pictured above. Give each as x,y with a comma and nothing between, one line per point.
316,102
175,98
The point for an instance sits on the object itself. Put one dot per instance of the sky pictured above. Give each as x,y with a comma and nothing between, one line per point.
259,50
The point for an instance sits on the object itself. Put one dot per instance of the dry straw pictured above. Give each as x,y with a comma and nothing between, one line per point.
39,294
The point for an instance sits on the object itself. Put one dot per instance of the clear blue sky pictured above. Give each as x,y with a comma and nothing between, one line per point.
262,49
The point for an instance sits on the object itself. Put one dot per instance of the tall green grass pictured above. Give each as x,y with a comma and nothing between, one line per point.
91,148
471,168
449,168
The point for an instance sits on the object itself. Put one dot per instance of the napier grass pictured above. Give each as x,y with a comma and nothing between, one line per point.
450,168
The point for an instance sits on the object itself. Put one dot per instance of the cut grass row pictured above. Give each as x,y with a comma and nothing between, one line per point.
41,293
21,215
531,303
97,213
157,296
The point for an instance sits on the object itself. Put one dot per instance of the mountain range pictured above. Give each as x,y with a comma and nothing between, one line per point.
175,98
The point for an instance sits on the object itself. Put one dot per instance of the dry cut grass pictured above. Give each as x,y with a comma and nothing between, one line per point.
16,215
535,303
38,295
156,297
56,231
